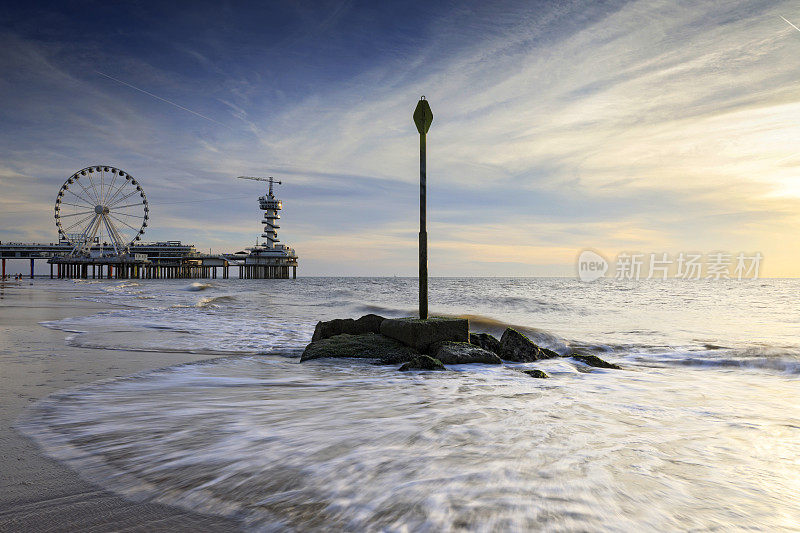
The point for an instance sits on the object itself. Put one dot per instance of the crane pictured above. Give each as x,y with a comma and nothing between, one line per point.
269,180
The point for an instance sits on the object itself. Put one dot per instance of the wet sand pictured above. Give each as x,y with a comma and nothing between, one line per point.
37,493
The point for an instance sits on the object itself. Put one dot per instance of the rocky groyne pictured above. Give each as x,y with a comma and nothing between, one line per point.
430,344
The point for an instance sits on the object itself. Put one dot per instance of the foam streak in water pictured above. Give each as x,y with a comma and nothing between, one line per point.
358,447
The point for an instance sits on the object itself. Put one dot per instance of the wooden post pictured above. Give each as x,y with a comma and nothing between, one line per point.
423,232
423,116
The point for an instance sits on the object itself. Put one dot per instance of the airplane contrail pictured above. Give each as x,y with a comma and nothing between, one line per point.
790,24
162,99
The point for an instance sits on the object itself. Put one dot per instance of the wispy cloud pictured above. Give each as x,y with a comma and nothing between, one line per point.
636,126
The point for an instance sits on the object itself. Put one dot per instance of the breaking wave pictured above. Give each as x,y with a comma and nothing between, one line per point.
216,301
198,286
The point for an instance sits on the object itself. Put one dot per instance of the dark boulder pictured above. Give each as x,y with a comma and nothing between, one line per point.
422,362
366,324
370,323
462,353
422,334
593,360
364,346
535,373
329,328
548,354
486,341
518,348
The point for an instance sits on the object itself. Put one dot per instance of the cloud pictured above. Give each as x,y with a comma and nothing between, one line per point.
643,125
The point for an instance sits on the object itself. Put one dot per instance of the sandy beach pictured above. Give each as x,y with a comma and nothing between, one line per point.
37,493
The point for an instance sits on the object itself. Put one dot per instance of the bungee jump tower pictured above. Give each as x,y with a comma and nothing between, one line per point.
269,260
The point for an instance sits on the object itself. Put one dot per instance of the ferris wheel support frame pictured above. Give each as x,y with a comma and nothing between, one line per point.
101,210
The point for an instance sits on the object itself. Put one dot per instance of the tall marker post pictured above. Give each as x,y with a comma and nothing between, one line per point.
423,116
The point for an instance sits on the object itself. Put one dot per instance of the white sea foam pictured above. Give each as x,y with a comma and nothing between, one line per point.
701,429
198,286
326,446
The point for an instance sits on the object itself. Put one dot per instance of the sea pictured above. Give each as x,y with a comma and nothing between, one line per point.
700,430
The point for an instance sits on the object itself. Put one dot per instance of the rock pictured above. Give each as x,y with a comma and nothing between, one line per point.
364,346
593,360
535,373
517,347
422,334
370,323
548,354
366,324
422,362
486,341
462,353
329,328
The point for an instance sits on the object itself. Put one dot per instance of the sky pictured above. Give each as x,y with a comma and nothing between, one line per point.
621,127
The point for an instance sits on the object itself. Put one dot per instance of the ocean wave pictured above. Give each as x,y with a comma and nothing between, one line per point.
121,285
522,303
388,312
215,301
166,327
621,348
779,364
329,303
104,299
60,325
493,326
231,437
191,328
127,343
784,359
198,286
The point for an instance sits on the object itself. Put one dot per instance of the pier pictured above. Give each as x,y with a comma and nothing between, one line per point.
267,271
166,260
199,267
101,212
163,260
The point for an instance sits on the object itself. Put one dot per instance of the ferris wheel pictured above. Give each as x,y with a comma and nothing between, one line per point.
101,206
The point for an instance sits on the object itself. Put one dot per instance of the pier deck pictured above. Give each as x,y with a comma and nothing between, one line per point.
163,260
